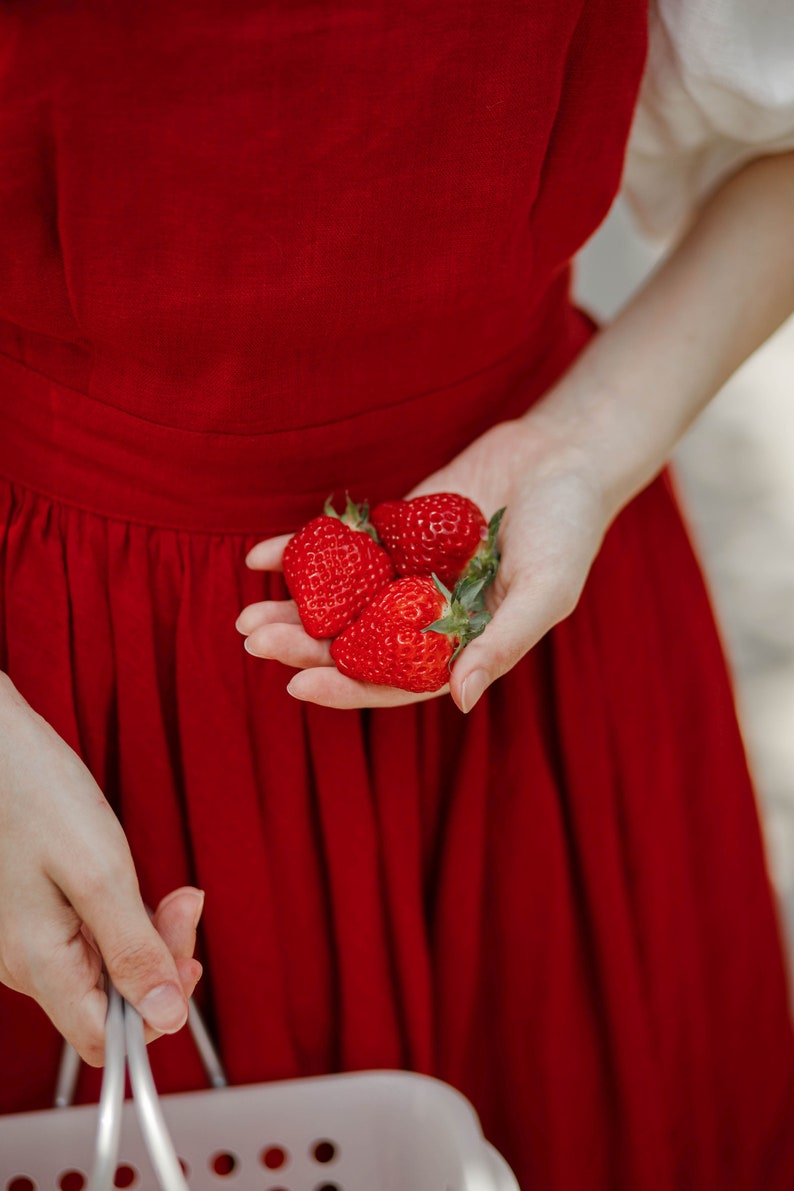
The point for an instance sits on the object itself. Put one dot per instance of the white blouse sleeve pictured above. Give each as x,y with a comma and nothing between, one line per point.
718,90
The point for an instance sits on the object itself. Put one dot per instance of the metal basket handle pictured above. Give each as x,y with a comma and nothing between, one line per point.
111,1098
147,1105
125,1047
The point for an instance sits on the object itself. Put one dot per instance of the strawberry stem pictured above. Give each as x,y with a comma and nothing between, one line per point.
354,517
465,615
485,563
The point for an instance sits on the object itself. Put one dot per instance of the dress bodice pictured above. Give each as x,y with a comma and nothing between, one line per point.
248,217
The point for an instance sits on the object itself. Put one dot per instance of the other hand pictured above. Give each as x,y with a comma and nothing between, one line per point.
69,896
552,528
555,521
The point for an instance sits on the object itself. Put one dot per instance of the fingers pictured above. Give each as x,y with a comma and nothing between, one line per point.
319,681
46,955
273,629
176,919
103,889
526,613
49,954
289,644
267,555
190,972
332,689
267,612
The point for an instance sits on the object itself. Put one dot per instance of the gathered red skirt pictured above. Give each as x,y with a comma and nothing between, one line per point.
559,903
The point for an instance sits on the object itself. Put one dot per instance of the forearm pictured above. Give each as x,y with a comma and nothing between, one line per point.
720,294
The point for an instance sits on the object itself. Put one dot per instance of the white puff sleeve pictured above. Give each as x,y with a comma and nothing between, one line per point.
718,90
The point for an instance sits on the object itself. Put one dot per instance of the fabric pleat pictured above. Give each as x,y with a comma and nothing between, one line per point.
578,932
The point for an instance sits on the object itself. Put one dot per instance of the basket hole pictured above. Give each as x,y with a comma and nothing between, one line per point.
125,1176
184,1166
328,1187
274,1157
72,1180
21,1183
223,1163
324,1151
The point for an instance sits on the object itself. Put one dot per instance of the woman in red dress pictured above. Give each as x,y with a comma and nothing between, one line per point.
251,254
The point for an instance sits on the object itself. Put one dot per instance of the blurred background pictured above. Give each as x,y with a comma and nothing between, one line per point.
735,472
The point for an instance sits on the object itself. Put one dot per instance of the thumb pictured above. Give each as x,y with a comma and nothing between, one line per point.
137,958
526,613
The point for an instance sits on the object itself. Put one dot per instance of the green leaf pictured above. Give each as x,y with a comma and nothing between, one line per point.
446,593
494,523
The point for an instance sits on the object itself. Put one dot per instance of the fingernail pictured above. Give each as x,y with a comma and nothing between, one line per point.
473,687
164,1008
247,646
199,908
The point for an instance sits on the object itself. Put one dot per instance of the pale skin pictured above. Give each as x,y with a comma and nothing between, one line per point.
597,438
68,889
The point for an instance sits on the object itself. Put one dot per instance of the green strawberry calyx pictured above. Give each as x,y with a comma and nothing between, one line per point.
485,563
465,615
354,517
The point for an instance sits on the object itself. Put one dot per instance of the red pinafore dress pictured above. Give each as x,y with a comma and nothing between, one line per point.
254,252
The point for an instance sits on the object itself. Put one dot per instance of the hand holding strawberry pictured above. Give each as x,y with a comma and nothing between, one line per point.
403,634
556,516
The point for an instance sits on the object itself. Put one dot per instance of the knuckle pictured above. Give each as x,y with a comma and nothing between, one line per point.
95,879
567,590
569,598
16,959
256,642
134,962
91,1049
508,656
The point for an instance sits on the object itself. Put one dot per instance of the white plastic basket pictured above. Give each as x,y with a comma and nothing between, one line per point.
368,1131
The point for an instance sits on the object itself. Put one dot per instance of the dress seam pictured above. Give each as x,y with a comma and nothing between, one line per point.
289,430
60,501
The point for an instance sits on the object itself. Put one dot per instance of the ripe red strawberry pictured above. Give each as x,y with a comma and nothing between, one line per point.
443,534
334,567
410,634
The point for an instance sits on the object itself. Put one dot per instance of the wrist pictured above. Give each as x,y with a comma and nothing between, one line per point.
641,381
589,427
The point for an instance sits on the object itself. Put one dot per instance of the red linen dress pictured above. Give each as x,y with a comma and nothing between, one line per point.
254,252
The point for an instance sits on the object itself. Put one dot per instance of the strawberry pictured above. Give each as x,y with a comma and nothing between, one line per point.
411,633
443,534
334,567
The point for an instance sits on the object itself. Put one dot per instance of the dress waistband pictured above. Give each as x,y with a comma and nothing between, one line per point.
77,450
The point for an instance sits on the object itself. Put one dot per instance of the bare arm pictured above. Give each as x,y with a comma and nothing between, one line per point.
716,298
596,438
